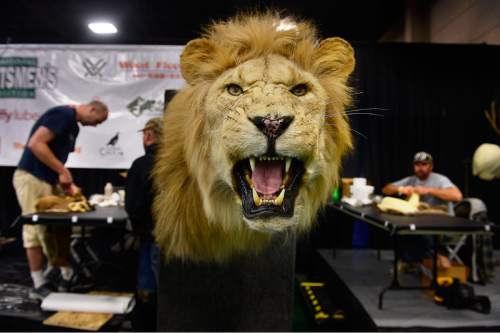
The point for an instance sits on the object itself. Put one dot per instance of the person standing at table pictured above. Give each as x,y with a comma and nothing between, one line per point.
138,201
41,172
434,189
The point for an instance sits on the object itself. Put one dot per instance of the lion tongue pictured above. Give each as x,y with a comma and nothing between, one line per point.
267,176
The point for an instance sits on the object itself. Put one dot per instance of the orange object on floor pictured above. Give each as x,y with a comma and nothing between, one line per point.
456,270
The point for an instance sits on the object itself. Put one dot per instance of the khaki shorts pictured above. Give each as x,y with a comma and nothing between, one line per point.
28,190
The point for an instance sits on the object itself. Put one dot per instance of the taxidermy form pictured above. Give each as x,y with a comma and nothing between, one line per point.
252,145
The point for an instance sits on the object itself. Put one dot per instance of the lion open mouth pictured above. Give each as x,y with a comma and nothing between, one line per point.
268,185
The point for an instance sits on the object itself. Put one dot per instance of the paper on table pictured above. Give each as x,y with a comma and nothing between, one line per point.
88,303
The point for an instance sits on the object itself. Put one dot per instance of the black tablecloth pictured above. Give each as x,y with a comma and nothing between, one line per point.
422,222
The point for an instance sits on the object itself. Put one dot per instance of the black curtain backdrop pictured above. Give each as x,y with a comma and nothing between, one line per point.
431,97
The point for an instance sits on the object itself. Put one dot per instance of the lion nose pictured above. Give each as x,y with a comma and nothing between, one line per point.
272,127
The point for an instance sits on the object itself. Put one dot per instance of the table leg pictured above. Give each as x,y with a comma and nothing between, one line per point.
475,276
395,279
79,261
377,236
434,262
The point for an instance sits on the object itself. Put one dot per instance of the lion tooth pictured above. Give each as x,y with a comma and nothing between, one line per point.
248,179
288,163
279,200
252,163
256,199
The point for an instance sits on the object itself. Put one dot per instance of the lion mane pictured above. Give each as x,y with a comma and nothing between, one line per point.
241,69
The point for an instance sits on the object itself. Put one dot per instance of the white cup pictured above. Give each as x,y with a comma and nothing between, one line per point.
361,192
359,181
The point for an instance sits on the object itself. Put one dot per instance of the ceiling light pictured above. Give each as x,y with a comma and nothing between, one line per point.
102,28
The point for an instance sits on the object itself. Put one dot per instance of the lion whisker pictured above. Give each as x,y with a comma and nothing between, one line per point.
355,114
360,134
366,109
352,129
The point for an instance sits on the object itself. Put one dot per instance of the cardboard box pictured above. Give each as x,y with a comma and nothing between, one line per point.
346,191
457,270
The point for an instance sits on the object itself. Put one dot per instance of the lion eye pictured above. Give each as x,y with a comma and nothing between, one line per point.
234,89
299,90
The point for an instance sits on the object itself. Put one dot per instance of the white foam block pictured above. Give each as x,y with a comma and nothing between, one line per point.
88,303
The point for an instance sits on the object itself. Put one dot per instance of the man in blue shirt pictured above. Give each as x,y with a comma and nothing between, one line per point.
41,172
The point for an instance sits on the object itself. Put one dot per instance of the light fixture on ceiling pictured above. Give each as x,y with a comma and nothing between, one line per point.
102,28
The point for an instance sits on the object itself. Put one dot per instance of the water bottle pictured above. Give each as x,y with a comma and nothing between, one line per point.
108,190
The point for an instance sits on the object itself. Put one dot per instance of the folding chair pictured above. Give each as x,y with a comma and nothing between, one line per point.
472,209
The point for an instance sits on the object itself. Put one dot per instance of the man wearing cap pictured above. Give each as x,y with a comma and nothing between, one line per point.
434,189
138,201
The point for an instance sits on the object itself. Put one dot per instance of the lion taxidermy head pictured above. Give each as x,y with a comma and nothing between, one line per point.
253,144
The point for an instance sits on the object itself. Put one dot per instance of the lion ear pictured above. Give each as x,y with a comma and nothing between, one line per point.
333,57
196,57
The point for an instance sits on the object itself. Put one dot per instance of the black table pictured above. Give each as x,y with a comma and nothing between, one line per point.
100,217
424,224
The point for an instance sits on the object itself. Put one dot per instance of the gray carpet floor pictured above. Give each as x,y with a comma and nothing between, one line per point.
366,277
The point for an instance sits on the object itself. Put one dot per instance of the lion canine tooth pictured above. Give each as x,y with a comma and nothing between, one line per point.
252,163
256,199
248,179
288,163
279,200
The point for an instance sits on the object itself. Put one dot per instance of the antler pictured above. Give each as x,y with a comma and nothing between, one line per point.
491,115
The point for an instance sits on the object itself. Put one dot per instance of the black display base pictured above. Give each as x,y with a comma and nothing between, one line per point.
252,293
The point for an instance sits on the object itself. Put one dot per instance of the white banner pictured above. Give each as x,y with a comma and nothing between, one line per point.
130,79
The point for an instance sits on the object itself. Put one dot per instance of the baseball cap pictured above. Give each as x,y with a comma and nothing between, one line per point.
154,124
422,157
